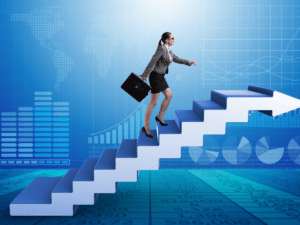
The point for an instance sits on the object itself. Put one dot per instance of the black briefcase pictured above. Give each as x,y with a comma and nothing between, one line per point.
136,87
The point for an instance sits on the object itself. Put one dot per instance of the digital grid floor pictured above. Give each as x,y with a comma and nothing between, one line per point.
171,196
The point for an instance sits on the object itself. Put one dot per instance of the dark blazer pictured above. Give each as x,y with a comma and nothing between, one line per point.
161,60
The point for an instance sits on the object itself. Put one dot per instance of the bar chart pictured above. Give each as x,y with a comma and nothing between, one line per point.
37,135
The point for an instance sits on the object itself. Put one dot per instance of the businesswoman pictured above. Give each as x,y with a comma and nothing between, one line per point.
162,58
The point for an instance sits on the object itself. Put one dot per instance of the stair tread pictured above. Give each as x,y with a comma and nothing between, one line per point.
208,105
170,129
107,161
38,191
86,172
65,183
127,149
146,141
187,116
240,93
261,90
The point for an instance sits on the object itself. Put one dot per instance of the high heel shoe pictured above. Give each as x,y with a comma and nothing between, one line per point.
161,123
148,135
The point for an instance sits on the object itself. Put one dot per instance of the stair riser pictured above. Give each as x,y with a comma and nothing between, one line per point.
83,196
42,210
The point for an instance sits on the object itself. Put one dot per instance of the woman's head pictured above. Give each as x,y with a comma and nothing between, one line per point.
166,38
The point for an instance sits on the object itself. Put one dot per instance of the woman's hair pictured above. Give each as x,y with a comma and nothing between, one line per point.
164,36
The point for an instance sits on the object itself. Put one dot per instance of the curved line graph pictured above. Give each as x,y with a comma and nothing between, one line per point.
252,64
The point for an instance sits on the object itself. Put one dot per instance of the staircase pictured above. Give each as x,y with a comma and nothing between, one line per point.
61,196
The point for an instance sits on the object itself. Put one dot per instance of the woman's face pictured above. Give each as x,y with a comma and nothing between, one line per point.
170,40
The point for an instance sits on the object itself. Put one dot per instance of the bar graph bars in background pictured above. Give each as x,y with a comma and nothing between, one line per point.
128,130
36,135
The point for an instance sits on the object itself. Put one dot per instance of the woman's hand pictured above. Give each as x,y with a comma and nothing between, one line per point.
143,77
192,62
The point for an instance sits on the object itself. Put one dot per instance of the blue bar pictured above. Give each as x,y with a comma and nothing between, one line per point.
42,108
26,129
42,98
65,162
61,150
8,119
131,127
42,155
25,150
56,162
126,130
90,140
60,139
25,124
43,124
43,134
25,119
25,134
33,162
11,162
43,150
18,162
42,144
42,93
26,162
25,139
114,136
60,155
8,114
60,144
42,119
61,119
25,114
43,139
49,162
43,114
9,134
61,134
107,138
60,103
95,139
8,139
144,107
61,124
9,144
8,129
60,108
41,162
137,123
120,132
60,129
43,129
8,149
102,139
43,103
61,114
8,155
8,124
3,162
25,155
25,145
25,108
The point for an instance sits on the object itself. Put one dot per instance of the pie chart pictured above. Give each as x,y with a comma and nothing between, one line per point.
267,155
236,151
207,154
294,149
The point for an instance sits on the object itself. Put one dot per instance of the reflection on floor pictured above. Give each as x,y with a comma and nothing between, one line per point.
171,197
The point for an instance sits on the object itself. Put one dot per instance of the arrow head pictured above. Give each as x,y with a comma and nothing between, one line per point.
284,103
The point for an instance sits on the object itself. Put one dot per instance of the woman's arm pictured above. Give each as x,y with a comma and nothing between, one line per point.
155,57
180,61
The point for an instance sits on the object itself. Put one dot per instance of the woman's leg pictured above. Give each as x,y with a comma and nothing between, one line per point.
164,105
152,104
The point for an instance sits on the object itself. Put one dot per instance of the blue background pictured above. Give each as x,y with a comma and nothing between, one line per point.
82,51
